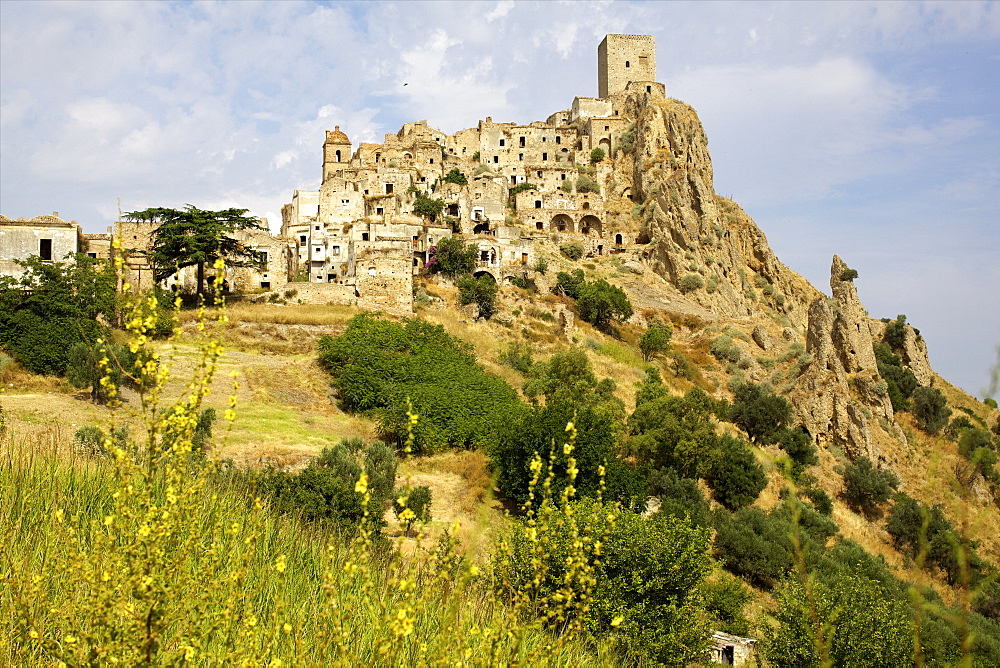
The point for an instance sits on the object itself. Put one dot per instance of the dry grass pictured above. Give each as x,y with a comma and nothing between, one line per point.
297,314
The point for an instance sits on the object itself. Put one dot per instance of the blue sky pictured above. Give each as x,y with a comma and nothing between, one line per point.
866,129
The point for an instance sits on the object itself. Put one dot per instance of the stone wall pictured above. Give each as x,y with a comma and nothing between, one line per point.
624,58
48,237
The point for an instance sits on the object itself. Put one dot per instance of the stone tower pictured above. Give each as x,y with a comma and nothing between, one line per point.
336,153
624,58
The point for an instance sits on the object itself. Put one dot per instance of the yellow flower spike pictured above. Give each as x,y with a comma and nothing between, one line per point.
287,628
361,486
109,520
70,640
219,263
569,426
229,415
33,634
60,515
280,564
473,571
567,448
189,653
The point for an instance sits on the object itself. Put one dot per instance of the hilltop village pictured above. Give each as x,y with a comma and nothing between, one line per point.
505,186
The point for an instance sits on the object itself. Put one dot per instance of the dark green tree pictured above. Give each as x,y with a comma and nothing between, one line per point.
655,340
54,305
453,257
759,412
569,283
866,487
597,155
481,291
193,237
455,176
427,206
418,502
735,477
84,368
600,302
930,408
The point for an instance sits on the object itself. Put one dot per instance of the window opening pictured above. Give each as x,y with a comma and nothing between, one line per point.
45,250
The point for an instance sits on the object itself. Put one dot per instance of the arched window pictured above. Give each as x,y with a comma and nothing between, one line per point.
338,156
626,63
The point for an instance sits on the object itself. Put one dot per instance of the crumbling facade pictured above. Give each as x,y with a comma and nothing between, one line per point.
504,186
50,238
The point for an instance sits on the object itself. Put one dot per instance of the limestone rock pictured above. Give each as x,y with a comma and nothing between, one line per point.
851,334
789,334
837,406
634,267
761,337
915,355
567,323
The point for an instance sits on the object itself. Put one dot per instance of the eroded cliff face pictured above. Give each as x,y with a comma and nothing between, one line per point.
708,248
704,244
840,398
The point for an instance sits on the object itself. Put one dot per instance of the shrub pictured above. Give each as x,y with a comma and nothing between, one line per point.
726,600
644,594
848,274
518,357
481,291
655,340
900,381
866,487
626,141
569,283
930,409
91,440
754,545
541,265
51,307
427,206
599,303
455,176
453,256
573,250
895,333
735,477
691,282
759,412
413,505
862,625
378,366
585,184
597,155
820,499
84,369
680,497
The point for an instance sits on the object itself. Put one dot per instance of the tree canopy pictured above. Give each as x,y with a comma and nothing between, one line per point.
193,237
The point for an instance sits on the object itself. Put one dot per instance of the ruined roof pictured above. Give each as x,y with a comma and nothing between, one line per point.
335,136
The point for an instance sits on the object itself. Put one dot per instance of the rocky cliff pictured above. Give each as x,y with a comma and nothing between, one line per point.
704,244
710,250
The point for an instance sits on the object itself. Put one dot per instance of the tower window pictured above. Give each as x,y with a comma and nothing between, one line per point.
626,64
501,142
558,139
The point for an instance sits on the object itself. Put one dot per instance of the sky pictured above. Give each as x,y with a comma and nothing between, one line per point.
870,130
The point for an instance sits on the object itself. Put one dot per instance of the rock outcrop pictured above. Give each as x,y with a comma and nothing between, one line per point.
702,243
840,394
915,355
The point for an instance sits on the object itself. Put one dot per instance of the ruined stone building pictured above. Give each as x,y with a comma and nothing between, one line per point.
524,183
49,237
358,239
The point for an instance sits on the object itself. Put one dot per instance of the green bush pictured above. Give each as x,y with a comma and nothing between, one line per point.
626,141
759,412
455,176
735,476
597,155
453,257
691,282
573,250
644,595
855,620
427,206
820,499
541,264
52,306
569,283
585,184
84,369
655,340
599,303
91,440
481,291
866,487
518,357
417,501
680,497
378,366
754,545
726,600
930,409
848,274
895,333
900,381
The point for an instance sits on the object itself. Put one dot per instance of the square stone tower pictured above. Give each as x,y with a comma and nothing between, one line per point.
624,58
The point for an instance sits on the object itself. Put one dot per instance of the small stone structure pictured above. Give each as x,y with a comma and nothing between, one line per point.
730,650
48,237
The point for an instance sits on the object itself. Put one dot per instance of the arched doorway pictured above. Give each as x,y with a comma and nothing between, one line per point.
618,240
562,223
590,225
